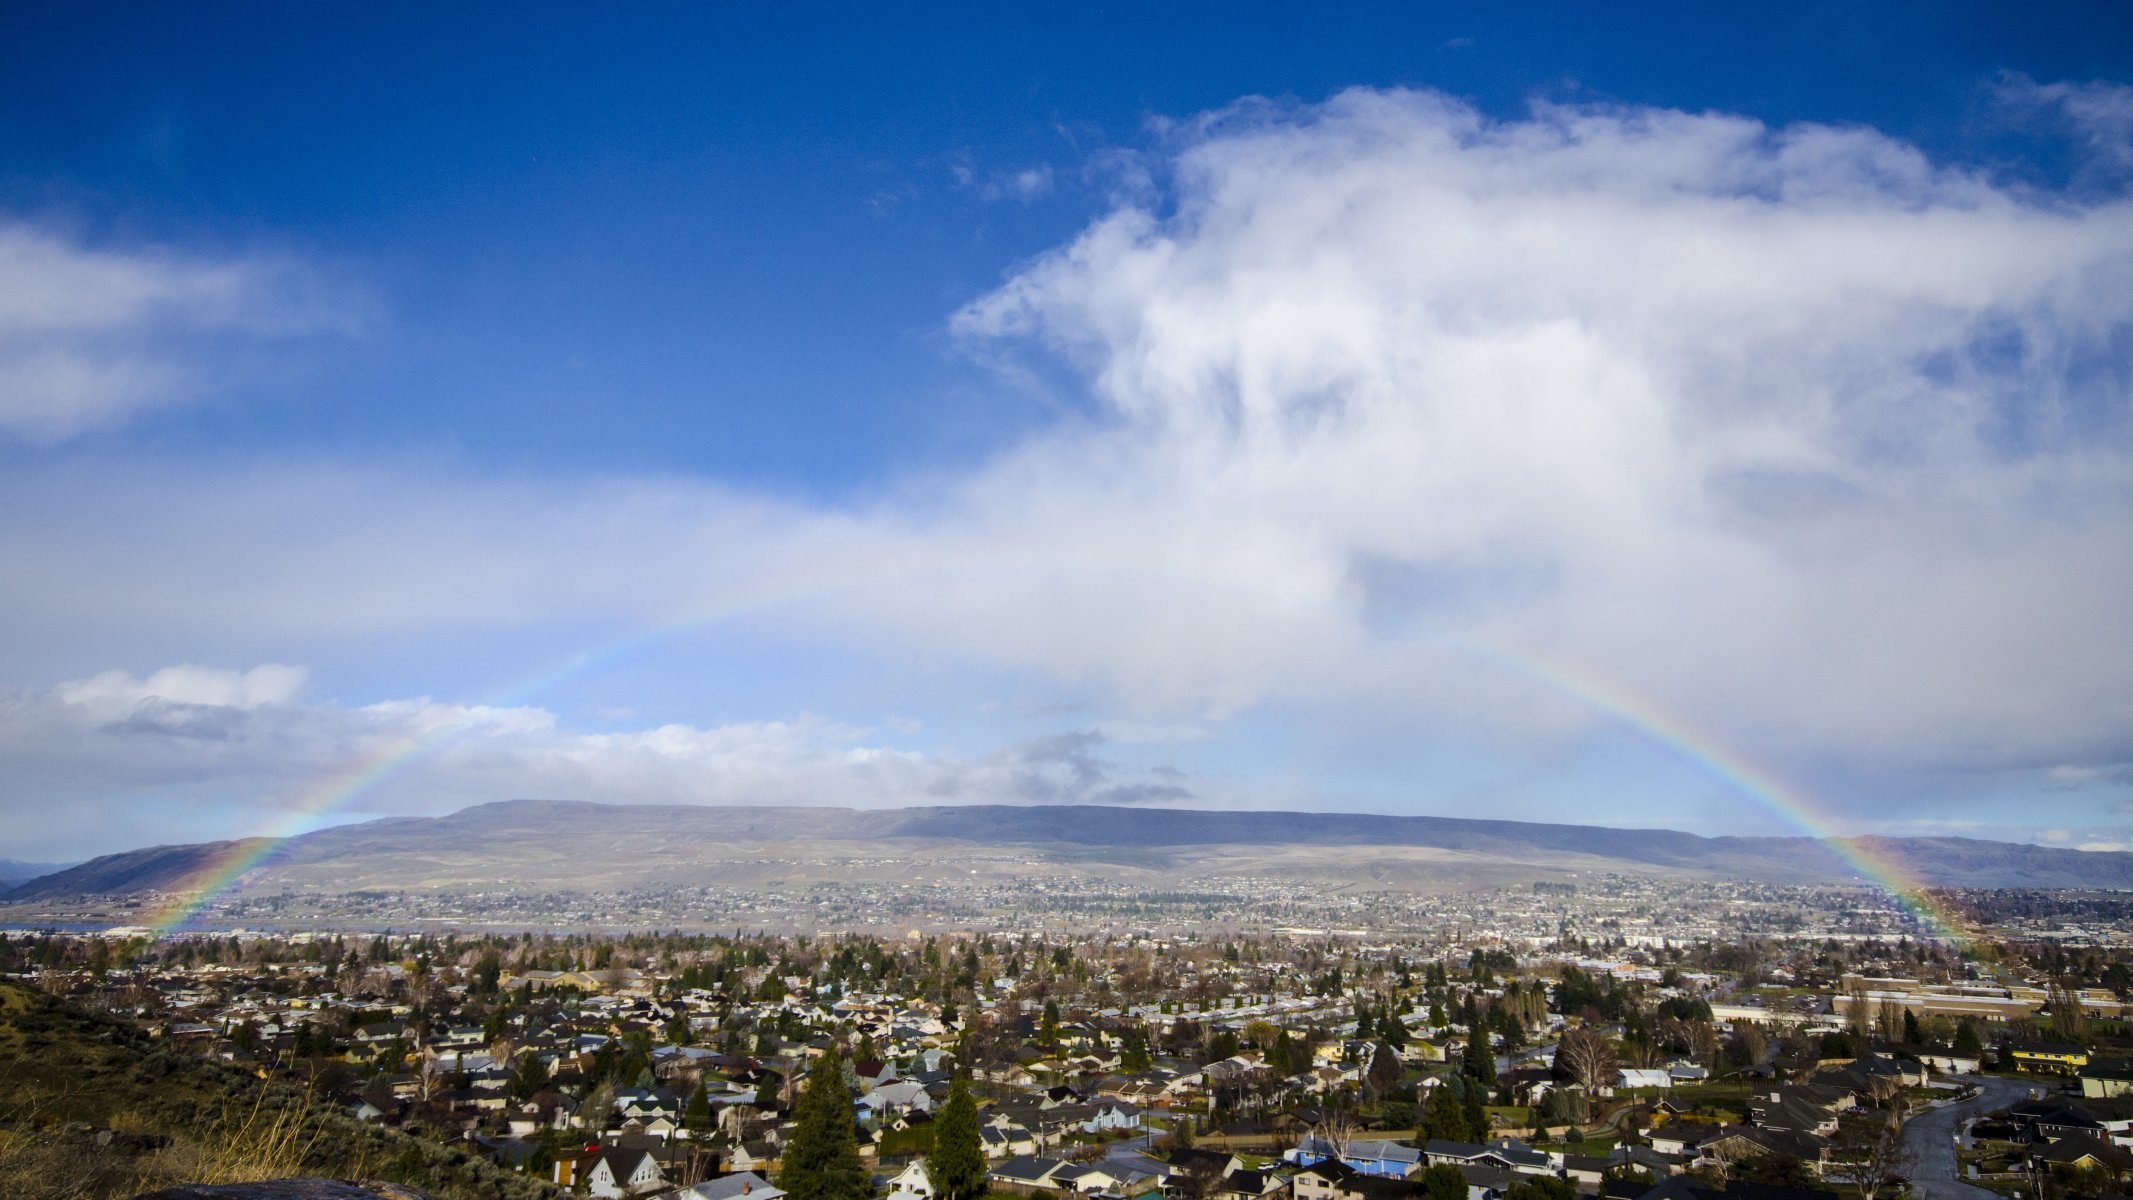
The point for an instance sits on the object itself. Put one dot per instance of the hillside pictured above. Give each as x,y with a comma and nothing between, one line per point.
530,844
93,1108
13,872
157,868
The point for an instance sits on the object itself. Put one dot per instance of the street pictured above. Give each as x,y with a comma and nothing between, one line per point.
1929,1140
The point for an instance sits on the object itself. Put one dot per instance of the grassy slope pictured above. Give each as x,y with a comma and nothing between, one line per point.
92,1108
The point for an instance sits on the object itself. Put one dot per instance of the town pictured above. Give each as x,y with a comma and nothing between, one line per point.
1629,1038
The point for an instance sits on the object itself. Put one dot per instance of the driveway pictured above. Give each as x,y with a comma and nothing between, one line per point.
1929,1140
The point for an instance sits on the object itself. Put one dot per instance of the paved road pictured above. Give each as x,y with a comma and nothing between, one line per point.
1929,1141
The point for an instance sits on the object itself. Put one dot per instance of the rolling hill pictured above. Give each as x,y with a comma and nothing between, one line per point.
536,844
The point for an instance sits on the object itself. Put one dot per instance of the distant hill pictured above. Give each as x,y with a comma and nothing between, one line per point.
155,869
13,872
543,844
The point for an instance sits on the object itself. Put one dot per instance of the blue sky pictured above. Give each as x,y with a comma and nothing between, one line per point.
865,406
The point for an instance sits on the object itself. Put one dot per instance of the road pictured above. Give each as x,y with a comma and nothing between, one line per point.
1929,1141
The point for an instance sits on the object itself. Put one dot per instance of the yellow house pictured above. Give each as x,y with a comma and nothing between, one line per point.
2049,1057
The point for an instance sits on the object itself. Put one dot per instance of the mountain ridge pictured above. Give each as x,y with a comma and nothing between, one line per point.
562,843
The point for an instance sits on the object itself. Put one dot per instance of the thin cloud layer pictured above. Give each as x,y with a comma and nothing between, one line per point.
195,752
90,337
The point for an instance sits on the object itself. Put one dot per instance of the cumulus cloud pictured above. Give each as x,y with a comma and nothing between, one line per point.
1395,411
90,337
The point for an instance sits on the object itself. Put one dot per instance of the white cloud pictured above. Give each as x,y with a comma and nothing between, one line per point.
1027,184
2099,114
91,337
111,691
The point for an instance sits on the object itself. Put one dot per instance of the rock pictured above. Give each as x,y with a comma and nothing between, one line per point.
289,1189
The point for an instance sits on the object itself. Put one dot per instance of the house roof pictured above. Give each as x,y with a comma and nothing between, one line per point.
1026,1169
733,1187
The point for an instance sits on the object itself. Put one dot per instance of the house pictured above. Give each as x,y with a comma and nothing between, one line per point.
1026,1174
1330,1179
617,1172
912,1181
1006,1141
1249,1185
1102,1177
896,1096
1737,1142
1682,1139
745,1185
1336,1180
1503,1154
1787,1110
1589,1169
1210,1164
2104,1079
1463,1154
2054,1119
2050,1058
2084,1154
754,1156
1371,1156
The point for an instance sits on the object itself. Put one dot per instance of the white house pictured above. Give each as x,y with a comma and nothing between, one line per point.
618,1172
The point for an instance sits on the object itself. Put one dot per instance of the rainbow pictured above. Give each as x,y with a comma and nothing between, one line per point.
1615,701
1708,754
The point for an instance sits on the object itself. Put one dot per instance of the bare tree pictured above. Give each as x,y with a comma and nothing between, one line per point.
1704,1043
1860,1013
1336,1125
1587,1056
2070,1022
1890,1022
1752,1041
431,1077
1869,1141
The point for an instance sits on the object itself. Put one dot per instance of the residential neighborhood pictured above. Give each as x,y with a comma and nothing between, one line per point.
1265,1067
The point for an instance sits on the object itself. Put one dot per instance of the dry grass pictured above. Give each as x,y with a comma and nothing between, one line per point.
92,1109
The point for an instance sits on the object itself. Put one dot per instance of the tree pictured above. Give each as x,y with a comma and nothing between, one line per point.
1385,1070
530,1076
956,1165
1444,1182
1476,1061
2070,1020
1586,1055
822,1160
1444,1118
1869,1141
1967,1043
1541,1187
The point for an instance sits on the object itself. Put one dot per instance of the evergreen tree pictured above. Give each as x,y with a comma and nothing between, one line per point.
822,1160
1476,1062
956,1165
1444,1182
1443,1118
1385,1071
531,1075
1966,1040
1477,1118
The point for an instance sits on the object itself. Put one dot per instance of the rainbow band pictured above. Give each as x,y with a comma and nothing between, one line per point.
1711,756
